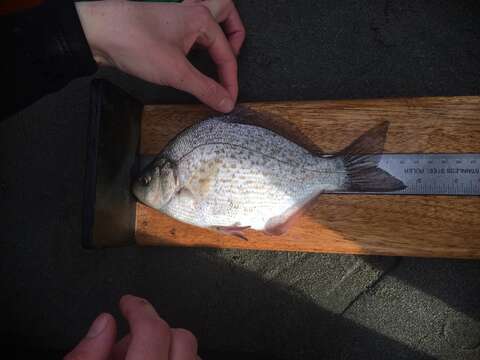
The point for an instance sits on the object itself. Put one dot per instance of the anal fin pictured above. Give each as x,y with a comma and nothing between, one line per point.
279,225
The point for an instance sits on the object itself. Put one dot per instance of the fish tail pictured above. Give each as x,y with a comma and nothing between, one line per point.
361,160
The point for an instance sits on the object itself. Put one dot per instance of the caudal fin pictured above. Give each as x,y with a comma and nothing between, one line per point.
361,163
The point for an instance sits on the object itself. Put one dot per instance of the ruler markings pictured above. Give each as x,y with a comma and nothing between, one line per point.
433,174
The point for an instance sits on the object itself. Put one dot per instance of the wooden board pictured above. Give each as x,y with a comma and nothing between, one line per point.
429,226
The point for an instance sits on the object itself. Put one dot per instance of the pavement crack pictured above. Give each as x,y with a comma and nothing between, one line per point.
371,285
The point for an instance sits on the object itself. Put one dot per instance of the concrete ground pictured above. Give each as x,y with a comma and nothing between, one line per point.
289,305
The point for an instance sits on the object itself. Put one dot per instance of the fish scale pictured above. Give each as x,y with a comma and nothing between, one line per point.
227,190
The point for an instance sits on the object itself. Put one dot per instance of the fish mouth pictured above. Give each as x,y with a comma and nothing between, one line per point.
145,195
138,190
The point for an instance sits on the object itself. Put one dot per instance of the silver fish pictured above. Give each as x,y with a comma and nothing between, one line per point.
227,175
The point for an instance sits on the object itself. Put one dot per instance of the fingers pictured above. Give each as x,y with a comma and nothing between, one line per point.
183,345
189,79
98,342
150,335
222,55
224,11
220,95
211,36
120,349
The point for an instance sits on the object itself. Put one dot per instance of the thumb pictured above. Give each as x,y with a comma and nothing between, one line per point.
98,343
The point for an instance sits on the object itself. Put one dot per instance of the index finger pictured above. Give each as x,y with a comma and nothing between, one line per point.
222,55
150,335
224,11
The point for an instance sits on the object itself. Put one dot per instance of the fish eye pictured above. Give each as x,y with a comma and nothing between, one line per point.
145,180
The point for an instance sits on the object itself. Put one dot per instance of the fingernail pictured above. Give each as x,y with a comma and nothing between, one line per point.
98,326
226,105
138,301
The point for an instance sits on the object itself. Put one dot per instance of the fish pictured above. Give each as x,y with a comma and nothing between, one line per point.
228,175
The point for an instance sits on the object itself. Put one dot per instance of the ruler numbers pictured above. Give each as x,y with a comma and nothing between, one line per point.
442,174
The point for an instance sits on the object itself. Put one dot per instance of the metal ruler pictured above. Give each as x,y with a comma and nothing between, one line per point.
424,174
434,174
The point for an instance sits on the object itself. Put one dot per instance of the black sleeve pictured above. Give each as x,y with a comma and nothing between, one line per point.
44,48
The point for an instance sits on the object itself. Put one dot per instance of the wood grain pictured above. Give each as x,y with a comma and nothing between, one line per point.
429,226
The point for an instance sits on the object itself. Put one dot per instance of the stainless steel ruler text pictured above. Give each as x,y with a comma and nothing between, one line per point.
434,174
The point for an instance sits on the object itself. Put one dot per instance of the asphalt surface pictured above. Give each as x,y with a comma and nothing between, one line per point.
289,305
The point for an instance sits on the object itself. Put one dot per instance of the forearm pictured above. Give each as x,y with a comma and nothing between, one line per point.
45,48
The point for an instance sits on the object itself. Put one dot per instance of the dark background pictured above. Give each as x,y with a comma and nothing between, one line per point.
292,305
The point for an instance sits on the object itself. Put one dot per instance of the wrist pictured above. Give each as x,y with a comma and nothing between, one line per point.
90,15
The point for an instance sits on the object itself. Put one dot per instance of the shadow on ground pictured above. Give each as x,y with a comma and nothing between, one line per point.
250,314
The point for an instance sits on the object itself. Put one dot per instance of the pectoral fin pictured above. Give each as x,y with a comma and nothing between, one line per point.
202,181
186,196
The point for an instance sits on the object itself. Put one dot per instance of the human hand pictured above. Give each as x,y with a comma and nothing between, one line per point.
150,337
151,41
